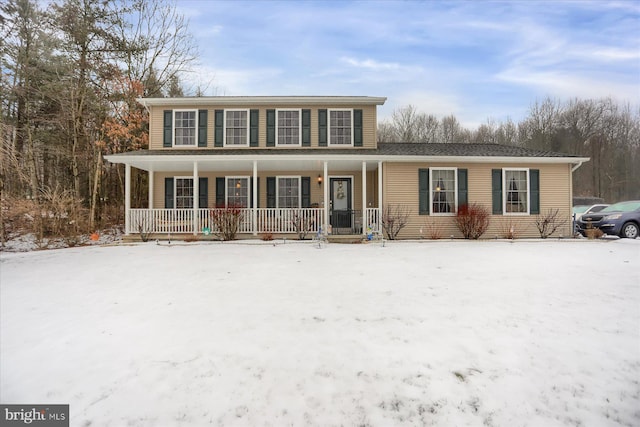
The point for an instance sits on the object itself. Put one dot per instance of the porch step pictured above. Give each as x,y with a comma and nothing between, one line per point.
345,238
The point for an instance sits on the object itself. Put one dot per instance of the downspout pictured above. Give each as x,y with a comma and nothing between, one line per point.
573,216
577,166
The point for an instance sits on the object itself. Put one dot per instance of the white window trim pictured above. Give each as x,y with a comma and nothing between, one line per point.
173,129
329,127
226,188
504,192
175,190
299,127
278,190
224,128
455,189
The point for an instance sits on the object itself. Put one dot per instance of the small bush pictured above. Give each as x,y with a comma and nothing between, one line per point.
472,220
227,221
593,233
434,230
549,222
302,223
394,219
510,229
191,238
267,237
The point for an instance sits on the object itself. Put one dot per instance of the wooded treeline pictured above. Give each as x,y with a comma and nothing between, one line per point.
604,130
70,78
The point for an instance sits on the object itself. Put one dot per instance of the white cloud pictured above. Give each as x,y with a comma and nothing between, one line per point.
370,64
562,83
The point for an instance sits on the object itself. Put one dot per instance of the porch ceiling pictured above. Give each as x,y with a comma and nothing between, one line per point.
164,164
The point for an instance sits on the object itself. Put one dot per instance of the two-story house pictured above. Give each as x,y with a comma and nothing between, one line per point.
287,160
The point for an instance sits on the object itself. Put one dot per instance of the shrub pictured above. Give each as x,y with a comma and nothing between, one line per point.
510,229
394,219
267,237
302,223
593,233
434,230
472,220
227,221
548,223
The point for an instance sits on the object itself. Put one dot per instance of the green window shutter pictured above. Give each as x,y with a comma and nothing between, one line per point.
202,128
220,192
306,191
219,129
251,192
168,193
463,198
534,186
271,128
423,192
496,191
253,127
167,136
203,192
306,128
322,128
271,191
357,128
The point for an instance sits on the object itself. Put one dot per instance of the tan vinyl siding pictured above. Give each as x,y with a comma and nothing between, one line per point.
369,124
401,188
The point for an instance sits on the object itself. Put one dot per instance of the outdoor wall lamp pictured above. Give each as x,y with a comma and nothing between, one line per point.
319,180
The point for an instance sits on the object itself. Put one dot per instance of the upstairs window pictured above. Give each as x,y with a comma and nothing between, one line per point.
185,127
340,127
236,130
288,129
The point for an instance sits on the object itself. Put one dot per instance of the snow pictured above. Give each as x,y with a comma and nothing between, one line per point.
442,333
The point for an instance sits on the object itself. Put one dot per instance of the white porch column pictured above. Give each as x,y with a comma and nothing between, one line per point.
196,198
364,198
380,197
325,180
254,211
127,198
151,176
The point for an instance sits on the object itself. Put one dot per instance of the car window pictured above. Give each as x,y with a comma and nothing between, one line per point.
623,207
596,208
579,209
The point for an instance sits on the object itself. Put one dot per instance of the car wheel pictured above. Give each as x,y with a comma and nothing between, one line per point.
629,230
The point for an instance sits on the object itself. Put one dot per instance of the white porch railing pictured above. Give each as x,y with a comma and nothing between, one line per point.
373,220
268,220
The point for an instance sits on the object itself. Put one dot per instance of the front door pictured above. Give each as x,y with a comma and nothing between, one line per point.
340,197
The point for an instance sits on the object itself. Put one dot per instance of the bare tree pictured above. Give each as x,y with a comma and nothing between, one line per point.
159,46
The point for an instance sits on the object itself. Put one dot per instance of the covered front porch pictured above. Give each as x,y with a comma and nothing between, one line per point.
280,195
303,222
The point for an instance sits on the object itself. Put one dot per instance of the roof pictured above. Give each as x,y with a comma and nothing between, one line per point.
387,149
345,159
462,150
264,100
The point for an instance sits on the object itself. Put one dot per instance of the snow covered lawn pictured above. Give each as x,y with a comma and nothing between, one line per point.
536,333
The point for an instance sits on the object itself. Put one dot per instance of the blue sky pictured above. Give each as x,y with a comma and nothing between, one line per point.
474,59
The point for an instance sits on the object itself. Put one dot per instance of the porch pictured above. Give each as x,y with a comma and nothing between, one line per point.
297,194
297,221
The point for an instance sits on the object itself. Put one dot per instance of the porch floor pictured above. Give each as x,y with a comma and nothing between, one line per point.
163,237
